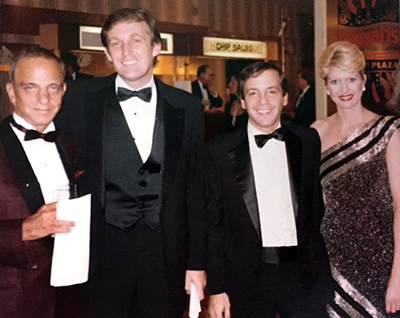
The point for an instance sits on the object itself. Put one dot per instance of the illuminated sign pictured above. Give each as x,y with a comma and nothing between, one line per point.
234,48
89,39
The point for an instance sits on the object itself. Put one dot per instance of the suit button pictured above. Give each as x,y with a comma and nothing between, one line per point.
27,185
34,267
142,184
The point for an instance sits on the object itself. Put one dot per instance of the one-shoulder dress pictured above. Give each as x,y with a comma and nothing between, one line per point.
358,222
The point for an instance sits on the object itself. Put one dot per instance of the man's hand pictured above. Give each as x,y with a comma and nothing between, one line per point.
206,102
219,306
198,278
44,223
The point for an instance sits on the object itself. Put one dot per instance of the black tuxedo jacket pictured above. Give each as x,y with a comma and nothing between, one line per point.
214,101
24,266
233,221
182,215
305,110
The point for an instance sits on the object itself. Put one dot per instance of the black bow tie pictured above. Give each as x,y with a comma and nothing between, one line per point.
124,94
261,140
31,134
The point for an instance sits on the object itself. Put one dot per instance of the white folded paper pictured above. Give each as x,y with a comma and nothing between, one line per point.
71,250
194,305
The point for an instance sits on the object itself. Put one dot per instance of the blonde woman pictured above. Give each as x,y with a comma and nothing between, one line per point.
360,175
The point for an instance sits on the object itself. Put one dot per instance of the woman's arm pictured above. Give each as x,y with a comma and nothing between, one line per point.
393,164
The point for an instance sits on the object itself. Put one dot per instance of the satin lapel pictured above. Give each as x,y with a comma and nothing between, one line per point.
67,160
95,109
21,169
294,157
173,119
243,169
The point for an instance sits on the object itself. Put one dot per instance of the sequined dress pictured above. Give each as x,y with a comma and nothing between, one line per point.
358,221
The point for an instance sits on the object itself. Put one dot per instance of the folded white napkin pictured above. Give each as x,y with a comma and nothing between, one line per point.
194,305
70,264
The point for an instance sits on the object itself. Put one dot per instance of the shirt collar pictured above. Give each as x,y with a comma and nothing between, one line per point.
21,121
119,82
252,131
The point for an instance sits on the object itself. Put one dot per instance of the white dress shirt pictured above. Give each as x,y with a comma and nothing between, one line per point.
140,117
203,90
44,159
275,206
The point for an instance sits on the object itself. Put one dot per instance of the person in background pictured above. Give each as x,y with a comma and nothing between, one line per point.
235,115
204,87
304,110
360,175
34,161
143,157
266,255
393,104
72,67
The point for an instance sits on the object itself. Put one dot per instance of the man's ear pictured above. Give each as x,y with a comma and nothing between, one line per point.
156,49
242,103
108,56
64,87
285,100
11,92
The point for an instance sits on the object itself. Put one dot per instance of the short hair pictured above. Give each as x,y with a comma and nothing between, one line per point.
33,52
257,68
341,55
307,75
130,15
202,69
70,59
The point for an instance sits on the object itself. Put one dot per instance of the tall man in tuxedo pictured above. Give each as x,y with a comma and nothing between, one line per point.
304,110
33,162
204,87
142,153
266,254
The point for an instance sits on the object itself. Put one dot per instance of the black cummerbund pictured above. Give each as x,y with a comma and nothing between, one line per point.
276,255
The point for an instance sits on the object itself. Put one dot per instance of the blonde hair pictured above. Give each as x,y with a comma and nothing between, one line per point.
341,55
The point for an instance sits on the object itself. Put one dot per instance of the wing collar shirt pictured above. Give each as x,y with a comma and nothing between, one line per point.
44,159
271,176
140,117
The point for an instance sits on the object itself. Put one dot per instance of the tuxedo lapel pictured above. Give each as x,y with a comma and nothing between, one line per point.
22,171
241,162
96,104
67,160
173,123
294,157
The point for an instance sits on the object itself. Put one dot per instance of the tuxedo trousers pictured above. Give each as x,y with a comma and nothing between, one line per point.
131,281
270,290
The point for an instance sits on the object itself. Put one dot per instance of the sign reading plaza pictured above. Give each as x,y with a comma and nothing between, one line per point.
234,48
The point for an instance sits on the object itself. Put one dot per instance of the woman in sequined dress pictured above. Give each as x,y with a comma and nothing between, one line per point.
360,175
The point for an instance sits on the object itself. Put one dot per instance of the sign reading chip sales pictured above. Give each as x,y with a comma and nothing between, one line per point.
234,48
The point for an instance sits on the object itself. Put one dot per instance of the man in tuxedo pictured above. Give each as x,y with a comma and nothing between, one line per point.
266,253
143,157
72,67
304,110
34,160
204,87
